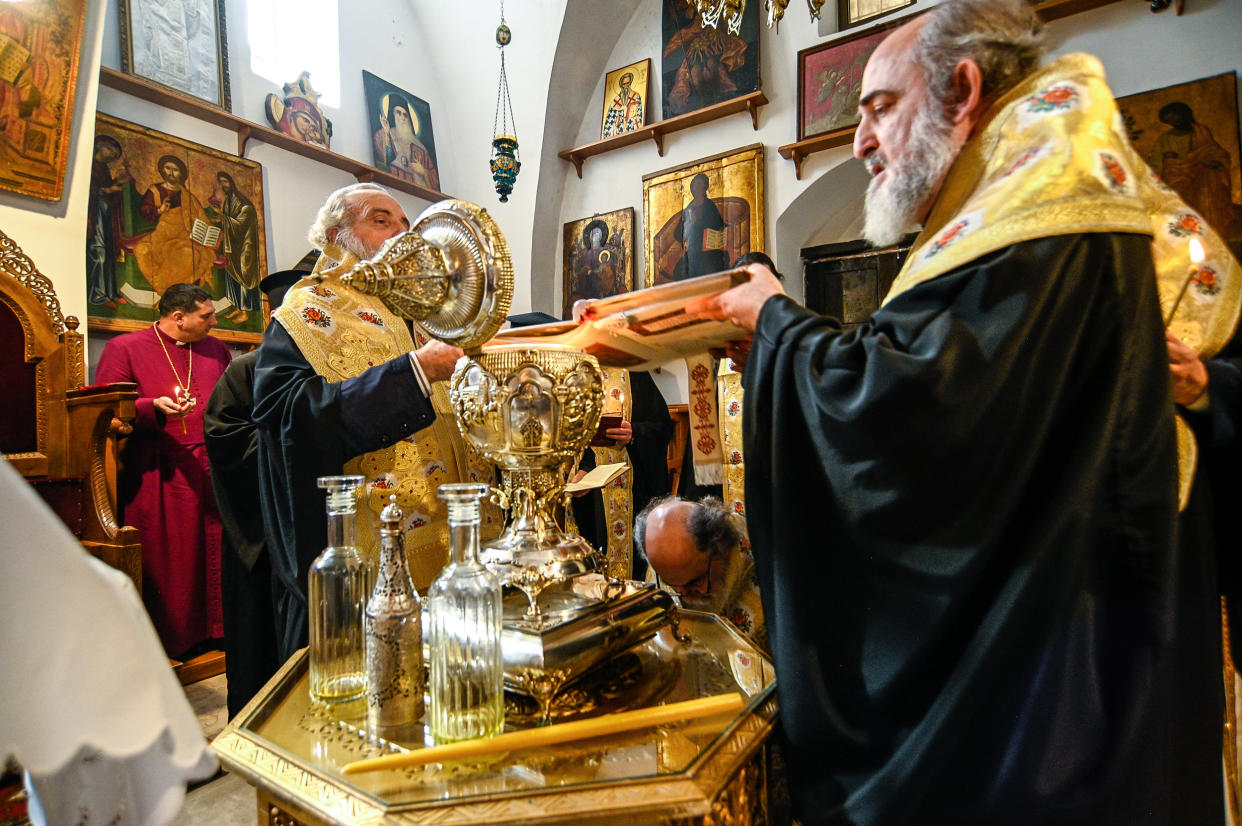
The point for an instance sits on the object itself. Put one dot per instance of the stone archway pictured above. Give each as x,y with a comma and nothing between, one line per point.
829,209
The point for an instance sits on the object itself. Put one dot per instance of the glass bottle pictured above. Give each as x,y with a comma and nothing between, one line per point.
338,583
394,633
463,630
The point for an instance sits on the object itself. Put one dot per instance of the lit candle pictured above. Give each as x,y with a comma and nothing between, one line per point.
1196,253
1196,258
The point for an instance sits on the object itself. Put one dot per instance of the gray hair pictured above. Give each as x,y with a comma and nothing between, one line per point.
1004,37
711,525
337,213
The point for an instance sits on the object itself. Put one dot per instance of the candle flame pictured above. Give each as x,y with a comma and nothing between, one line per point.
1196,251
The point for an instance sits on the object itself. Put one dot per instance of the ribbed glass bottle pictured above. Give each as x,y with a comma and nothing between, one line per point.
339,583
394,633
463,630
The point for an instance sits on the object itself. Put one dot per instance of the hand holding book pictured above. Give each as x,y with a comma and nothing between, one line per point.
645,328
740,305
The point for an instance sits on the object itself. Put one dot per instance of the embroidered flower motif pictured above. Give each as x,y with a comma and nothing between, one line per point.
615,393
947,237
739,507
1113,174
735,457
1205,281
434,466
1023,159
321,291
699,373
1186,224
417,520
702,408
385,482
705,443
371,318
618,528
316,317
734,408
1158,181
1057,98
740,619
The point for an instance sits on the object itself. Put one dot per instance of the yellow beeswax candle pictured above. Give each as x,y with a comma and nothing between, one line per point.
549,735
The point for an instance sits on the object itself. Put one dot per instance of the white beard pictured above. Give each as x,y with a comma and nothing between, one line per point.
892,204
346,240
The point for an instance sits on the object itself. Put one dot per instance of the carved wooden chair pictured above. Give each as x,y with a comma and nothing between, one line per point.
57,433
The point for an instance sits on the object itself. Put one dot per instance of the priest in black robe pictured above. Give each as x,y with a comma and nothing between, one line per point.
250,642
339,389
963,511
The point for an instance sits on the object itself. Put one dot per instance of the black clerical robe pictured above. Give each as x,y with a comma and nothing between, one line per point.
232,437
962,514
309,428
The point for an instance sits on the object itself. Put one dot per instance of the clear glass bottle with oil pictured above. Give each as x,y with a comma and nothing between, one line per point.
463,630
339,583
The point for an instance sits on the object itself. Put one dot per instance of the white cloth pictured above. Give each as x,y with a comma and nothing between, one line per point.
90,707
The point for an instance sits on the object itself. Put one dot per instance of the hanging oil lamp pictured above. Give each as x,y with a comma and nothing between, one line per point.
505,162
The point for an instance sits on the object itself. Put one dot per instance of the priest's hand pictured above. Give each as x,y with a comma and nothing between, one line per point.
1190,375
437,359
740,305
737,350
577,477
170,407
622,434
580,308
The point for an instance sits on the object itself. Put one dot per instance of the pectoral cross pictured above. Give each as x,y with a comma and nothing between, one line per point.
182,396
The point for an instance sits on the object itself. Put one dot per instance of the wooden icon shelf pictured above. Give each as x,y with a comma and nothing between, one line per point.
248,130
656,132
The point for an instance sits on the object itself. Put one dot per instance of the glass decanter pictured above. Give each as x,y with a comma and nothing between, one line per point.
339,583
463,630
394,633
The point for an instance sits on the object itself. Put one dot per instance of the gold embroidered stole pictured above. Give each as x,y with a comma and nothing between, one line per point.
704,420
1052,157
619,493
342,333
729,388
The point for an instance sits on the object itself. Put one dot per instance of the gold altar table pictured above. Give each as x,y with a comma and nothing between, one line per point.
709,771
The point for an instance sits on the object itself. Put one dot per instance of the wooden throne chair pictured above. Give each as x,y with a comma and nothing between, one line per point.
60,435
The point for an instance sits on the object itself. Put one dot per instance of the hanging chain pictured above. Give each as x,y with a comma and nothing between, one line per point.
503,121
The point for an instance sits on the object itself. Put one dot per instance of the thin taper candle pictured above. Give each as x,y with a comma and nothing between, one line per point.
549,735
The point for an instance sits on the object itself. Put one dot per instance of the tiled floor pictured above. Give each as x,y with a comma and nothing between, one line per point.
225,800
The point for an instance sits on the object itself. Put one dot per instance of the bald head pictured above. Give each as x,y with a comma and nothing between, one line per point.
671,550
687,545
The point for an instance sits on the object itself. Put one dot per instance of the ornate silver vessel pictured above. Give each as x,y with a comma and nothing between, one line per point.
531,411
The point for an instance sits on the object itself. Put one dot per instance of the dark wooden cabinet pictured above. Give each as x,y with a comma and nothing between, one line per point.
849,280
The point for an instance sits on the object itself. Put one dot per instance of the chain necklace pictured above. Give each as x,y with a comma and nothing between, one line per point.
182,393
